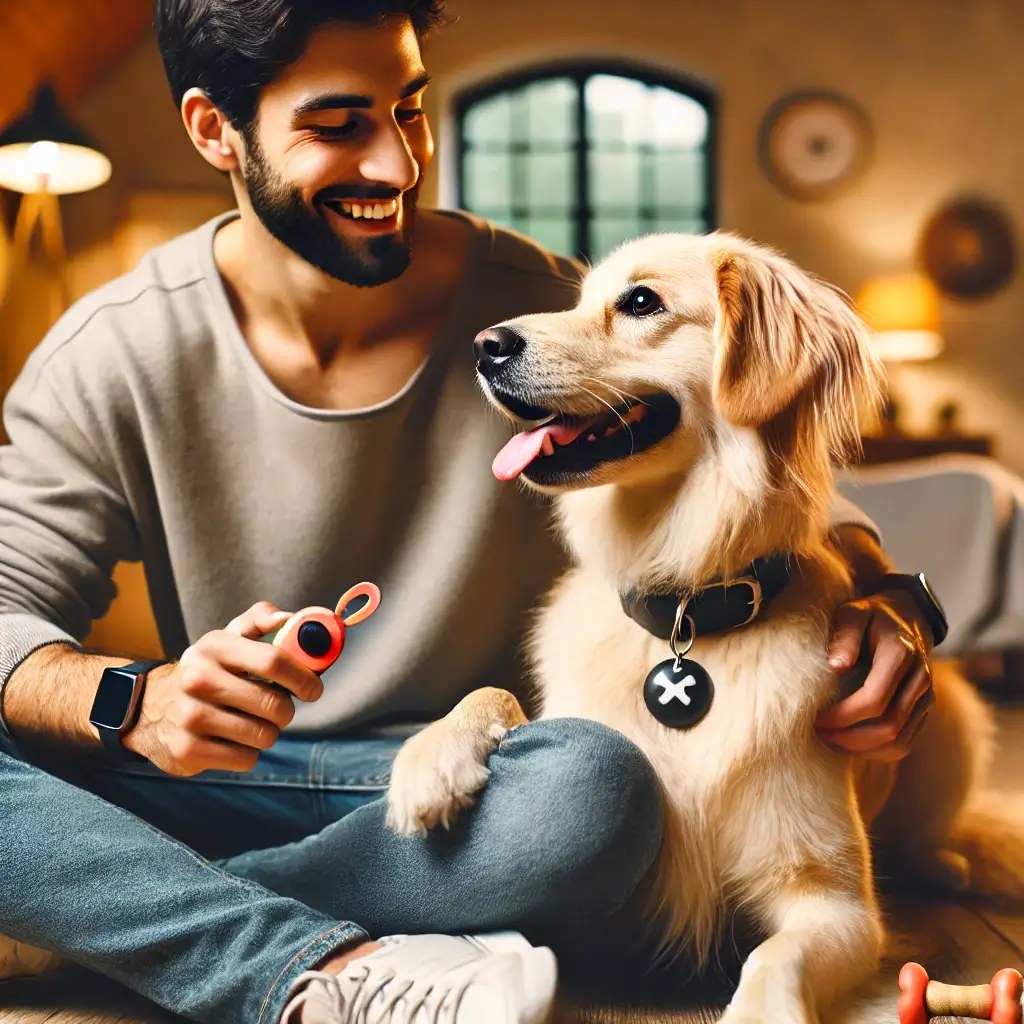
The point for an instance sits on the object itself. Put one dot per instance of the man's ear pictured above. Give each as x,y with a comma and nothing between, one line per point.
779,333
210,131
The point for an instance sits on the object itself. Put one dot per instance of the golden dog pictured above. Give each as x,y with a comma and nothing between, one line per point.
690,411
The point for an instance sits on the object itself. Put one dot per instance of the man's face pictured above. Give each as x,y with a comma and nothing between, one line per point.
335,158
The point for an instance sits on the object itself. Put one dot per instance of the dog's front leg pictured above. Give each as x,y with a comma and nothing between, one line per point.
439,770
825,946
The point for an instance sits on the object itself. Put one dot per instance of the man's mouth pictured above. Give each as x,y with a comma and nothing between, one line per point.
565,448
371,215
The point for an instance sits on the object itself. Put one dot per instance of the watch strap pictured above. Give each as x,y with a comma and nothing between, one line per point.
917,587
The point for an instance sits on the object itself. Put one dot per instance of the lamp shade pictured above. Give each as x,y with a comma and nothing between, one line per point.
903,311
44,151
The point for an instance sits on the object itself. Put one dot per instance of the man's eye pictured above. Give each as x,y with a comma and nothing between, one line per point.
335,131
409,116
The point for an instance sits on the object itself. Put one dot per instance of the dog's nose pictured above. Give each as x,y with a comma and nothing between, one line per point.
496,346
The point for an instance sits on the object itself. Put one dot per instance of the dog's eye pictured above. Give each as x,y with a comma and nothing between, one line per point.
641,302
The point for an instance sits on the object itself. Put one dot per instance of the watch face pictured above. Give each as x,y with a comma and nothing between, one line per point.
113,700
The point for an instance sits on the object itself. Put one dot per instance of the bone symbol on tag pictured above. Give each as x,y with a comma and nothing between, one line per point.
675,691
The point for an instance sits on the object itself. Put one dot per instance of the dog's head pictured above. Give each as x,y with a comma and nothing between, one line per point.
683,348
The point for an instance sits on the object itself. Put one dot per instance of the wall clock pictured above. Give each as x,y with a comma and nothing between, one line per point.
814,144
968,249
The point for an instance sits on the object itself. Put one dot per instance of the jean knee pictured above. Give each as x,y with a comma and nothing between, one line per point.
594,807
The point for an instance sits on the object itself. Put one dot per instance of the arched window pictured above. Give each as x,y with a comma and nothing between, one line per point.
584,156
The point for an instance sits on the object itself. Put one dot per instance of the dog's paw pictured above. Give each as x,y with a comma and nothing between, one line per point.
17,960
437,774
763,998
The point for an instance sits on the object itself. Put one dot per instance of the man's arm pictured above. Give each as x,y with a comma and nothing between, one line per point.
64,524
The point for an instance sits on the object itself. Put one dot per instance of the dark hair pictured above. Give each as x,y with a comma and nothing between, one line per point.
233,49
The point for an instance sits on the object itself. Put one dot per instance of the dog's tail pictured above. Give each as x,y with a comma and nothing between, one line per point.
988,836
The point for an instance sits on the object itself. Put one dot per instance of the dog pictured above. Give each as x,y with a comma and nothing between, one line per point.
688,415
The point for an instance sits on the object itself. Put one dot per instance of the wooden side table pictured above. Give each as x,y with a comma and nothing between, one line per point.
897,447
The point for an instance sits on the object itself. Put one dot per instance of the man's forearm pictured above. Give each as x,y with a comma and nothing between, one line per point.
868,562
47,699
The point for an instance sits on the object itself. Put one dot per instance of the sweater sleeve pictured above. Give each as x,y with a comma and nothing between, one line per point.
845,513
64,523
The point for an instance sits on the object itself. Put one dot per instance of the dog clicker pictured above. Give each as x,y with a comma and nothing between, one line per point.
315,636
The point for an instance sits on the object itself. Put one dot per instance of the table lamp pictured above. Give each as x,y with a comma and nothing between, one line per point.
902,311
44,155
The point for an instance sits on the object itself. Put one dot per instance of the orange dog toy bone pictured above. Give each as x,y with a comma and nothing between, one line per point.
316,636
921,999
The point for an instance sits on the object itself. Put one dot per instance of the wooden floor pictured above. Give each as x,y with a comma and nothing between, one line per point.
80,998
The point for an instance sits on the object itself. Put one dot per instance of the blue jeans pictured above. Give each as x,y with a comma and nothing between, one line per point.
211,895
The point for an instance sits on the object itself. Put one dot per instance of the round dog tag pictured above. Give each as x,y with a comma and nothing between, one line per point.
678,693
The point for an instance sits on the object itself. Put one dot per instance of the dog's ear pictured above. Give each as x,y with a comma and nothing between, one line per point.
780,334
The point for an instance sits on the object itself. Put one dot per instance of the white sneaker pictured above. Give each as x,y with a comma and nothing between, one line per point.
433,979
20,961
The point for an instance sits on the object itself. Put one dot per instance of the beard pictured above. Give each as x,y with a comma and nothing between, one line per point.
286,215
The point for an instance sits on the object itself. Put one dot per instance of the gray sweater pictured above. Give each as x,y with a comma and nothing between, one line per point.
143,429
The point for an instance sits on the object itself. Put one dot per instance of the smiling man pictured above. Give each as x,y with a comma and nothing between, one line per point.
266,411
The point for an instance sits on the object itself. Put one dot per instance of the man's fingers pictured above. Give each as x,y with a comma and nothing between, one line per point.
257,621
901,746
889,731
252,658
893,657
222,688
201,721
848,628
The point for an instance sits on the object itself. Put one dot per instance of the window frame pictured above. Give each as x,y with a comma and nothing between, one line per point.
580,71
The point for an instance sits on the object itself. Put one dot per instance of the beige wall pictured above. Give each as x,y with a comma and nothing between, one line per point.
942,82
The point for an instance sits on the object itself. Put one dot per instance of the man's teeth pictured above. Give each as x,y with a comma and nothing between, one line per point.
370,211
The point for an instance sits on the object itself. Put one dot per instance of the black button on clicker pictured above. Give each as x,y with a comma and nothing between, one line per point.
315,639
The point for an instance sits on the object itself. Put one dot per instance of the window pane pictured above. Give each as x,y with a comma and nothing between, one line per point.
614,178
555,233
616,110
548,110
677,120
679,179
550,181
488,180
608,232
489,120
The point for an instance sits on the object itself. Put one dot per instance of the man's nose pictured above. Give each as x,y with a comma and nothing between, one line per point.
389,160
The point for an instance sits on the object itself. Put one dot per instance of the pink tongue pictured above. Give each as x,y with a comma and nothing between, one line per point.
527,446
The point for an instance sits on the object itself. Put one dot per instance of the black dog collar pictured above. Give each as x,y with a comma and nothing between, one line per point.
716,607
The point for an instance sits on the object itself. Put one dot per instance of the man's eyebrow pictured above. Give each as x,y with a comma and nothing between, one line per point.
418,83
346,100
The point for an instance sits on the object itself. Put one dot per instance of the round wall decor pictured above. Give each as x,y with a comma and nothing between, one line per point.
967,248
814,144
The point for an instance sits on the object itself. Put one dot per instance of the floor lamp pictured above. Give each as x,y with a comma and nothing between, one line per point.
43,155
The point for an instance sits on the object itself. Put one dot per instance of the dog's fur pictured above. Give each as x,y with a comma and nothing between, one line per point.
774,374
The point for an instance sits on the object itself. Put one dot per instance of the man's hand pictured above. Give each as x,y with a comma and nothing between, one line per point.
204,712
880,719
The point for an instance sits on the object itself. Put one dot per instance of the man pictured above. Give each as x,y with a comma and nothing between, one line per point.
268,410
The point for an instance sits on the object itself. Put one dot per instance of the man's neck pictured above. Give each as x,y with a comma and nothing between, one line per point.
327,343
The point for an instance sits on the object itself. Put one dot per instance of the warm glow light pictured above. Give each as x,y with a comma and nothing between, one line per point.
59,168
903,311
42,158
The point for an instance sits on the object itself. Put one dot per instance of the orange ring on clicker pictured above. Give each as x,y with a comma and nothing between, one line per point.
368,590
287,637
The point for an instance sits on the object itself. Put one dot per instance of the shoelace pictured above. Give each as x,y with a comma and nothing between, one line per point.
435,1004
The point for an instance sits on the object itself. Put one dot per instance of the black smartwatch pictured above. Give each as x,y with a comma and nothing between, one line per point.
924,597
116,707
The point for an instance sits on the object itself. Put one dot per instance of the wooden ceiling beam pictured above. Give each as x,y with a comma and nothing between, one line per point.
69,43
